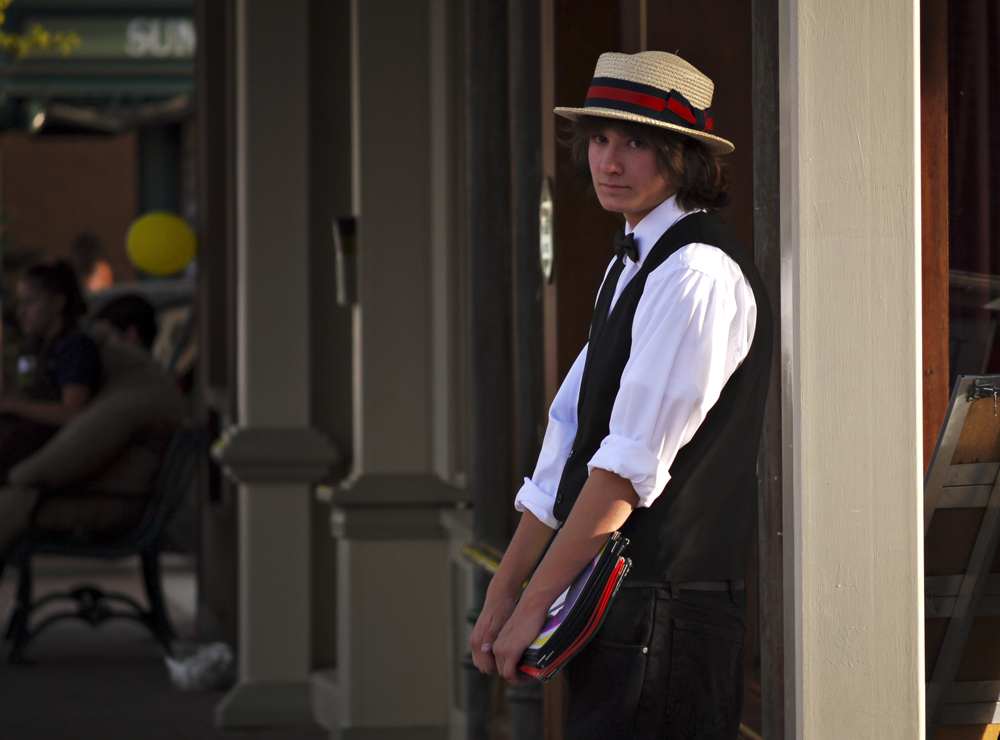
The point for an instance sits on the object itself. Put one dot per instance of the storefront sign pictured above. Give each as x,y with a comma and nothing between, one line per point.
139,38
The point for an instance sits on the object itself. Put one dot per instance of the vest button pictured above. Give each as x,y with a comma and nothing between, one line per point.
559,499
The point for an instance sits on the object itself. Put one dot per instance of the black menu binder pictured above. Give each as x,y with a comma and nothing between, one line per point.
578,613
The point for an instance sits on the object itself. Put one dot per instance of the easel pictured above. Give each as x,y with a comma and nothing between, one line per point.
962,566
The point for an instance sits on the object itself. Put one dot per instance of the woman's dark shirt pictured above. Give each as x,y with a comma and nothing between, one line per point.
72,357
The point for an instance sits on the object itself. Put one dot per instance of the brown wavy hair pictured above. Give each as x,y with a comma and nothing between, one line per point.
698,173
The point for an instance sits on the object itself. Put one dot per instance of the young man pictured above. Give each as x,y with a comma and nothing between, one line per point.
655,429
129,319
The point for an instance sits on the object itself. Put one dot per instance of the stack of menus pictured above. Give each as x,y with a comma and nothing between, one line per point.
577,614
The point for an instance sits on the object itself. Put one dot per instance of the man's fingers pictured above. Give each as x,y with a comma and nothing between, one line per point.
520,678
479,643
510,669
485,633
484,661
506,663
482,652
491,643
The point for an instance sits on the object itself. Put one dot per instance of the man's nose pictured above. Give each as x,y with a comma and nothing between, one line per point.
611,162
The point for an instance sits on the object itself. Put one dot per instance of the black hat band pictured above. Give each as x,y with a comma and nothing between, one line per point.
645,100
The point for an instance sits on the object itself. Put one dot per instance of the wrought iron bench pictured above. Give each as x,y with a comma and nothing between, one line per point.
92,604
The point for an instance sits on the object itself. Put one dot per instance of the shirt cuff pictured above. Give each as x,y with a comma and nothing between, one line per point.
538,502
633,461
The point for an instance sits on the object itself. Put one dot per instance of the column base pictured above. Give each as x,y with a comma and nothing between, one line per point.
266,704
326,704
327,711
389,733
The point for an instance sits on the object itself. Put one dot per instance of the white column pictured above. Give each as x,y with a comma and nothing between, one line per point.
273,453
393,614
850,323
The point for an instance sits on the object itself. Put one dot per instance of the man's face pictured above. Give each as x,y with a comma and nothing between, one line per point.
627,176
115,335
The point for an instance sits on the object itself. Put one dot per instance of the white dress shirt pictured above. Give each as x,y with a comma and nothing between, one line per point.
693,327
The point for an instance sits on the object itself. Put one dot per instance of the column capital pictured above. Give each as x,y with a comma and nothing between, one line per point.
274,454
391,506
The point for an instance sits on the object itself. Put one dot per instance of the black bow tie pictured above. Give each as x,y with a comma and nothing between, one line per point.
625,246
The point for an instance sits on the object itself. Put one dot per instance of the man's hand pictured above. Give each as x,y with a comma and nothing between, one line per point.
504,629
493,618
517,634
523,554
602,507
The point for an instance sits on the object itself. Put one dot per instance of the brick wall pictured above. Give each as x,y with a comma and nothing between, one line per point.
52,188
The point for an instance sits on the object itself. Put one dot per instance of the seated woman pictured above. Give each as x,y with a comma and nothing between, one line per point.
62,372
93,478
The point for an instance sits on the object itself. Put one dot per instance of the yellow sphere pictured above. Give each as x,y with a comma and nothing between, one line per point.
160,243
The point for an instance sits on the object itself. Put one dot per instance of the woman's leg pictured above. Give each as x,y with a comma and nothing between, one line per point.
19,439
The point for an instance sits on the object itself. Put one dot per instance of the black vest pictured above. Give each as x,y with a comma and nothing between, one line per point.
701,527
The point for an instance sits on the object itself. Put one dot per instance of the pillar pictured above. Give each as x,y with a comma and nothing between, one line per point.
850,370
272,453
392,674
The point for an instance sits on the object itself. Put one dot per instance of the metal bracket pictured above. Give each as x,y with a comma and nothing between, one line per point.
983,390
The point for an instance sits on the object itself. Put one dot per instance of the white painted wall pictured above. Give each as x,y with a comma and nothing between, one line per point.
850,322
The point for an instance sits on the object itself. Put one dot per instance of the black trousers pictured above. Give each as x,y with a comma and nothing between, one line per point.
665,664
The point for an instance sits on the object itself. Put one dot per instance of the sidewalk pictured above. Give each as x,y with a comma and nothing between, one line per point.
109,683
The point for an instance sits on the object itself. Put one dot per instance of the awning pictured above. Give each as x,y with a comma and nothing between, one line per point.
133,66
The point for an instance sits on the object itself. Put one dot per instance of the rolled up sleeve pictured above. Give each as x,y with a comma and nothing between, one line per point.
538,502
633,461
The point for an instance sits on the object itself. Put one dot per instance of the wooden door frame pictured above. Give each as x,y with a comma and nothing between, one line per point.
934,215
767,256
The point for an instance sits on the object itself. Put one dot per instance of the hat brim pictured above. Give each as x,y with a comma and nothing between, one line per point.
715,144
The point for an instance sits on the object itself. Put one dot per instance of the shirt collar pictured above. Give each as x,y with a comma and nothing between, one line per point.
654,225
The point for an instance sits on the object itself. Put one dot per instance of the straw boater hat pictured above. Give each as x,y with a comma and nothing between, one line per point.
655,88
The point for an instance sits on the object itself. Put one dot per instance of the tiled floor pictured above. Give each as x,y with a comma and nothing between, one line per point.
109,683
